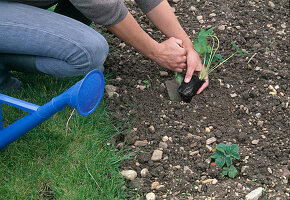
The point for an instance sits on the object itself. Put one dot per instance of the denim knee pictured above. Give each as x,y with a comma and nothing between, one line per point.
97,51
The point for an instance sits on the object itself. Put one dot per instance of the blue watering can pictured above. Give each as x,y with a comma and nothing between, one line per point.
84,96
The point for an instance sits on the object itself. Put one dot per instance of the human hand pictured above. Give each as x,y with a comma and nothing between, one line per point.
194,67
171,55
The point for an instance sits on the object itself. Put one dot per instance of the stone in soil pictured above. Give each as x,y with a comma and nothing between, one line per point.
210,140
255,194
144,172
129,174
150,196
157,155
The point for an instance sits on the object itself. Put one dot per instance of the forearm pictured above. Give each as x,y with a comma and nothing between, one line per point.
164,19
130,32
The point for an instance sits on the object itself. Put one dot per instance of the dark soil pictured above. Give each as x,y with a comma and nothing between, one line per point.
239,107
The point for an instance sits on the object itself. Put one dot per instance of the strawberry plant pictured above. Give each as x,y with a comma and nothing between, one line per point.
224,155
211,61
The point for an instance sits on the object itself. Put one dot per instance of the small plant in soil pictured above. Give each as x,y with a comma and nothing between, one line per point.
224,156
147,83
210,62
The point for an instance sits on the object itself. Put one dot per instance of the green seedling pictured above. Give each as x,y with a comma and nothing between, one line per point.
147,83
224,156
211,61
210,52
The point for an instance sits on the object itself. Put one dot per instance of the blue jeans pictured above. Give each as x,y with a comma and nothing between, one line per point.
62,46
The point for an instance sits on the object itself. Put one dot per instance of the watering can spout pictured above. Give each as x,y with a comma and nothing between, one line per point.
84,96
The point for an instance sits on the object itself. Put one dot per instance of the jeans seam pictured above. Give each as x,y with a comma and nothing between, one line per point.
59,36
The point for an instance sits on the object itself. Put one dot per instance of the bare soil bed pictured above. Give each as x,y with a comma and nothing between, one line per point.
246,103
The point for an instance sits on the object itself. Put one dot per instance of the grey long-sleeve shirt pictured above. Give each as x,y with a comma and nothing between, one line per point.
104,12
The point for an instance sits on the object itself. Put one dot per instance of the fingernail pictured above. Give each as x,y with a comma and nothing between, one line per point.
187,80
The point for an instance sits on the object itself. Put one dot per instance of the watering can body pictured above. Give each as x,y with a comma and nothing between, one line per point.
84,96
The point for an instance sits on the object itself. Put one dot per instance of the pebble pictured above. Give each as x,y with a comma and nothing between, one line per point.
255,142
210,140
111,90
238,27
260,123
244,168
175,1
144,172
176,167
199,17
191,153
192,8
214,181
187,169
129,174
258,115
165,138
154,185
141,143
160,187
212,15
152,129
207,181
150,196
270,170
271,4
207,129
221,27
163,73
122,45
142,87
163,145
233,95
255,194
157,155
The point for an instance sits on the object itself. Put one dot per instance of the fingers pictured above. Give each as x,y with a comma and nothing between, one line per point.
203,86
193,63
178,41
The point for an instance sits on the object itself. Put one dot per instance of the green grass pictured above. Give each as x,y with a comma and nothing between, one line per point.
48,164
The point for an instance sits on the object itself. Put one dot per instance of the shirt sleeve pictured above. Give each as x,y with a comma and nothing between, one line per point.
147,5
103,12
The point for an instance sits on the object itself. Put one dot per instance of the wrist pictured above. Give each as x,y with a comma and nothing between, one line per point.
154,50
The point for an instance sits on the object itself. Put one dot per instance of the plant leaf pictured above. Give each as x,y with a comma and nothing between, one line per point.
221,145
232,171
228,160
234,44
228,149
197,46
208,49
221,150
234,148
219,56
209,31
225,171
239,50
236,155
220,161
217,154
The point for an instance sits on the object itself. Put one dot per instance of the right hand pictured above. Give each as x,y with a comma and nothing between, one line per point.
171,55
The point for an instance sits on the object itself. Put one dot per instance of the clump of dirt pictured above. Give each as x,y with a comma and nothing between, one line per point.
246,103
